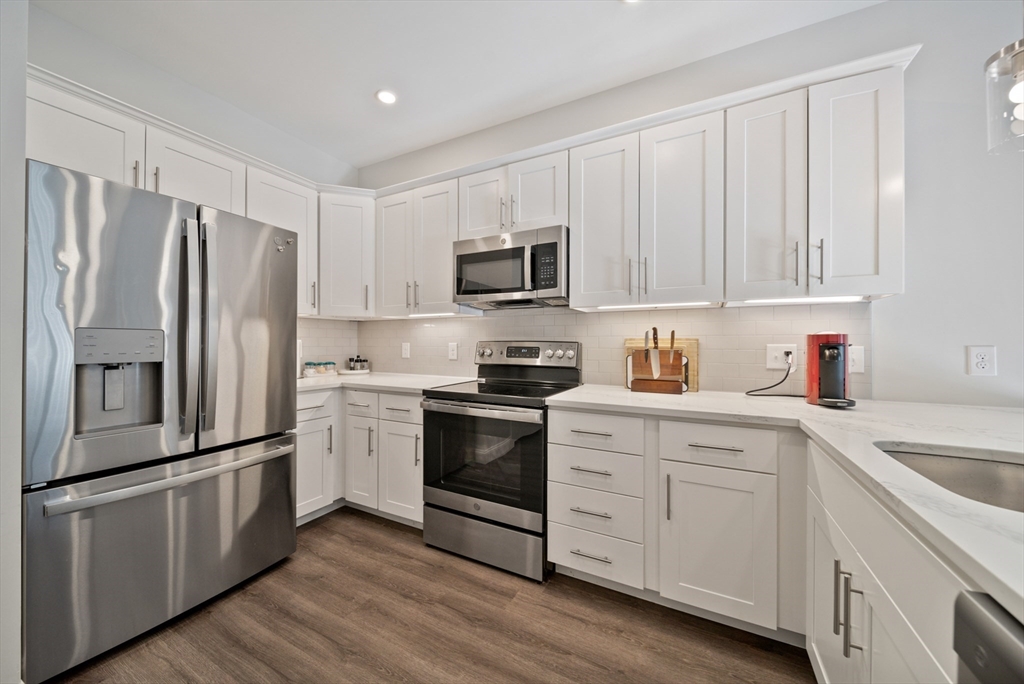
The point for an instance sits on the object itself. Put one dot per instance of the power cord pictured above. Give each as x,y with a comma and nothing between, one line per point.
789,370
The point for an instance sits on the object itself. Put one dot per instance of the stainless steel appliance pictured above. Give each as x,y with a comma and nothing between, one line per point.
526,269
160,342
485,454
989,642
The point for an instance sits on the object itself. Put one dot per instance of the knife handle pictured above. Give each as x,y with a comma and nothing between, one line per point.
655,336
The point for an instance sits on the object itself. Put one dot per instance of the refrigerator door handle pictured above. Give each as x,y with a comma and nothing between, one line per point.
193,321
211,325
63,506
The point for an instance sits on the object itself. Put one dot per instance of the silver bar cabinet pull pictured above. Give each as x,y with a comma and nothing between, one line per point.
591,432
330,439
576,509
416,450
416,294
697,445
359,405
407,286
310,408
156,175
369,442
392,408
630,278
512,212
798,262
502,219
366,297
847,623
603,559
837,573
645,275
821,263
314,295
588,470
668,496
135,174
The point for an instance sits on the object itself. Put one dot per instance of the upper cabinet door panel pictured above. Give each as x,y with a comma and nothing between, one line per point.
682,225
189,171
855,156
766,195
482,209
346,255
66,131
436,227
285,204
604,196
539,192
394,255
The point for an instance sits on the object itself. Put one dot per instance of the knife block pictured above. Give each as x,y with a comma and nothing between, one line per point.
675,375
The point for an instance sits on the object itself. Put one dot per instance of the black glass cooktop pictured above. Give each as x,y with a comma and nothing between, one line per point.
506,393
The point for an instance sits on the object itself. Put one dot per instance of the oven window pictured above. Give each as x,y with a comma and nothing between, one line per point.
492,272
494,460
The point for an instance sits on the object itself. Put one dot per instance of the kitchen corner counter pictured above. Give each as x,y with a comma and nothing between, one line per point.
984,542
395,383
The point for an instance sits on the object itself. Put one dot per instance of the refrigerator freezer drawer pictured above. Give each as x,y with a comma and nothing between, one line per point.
110,558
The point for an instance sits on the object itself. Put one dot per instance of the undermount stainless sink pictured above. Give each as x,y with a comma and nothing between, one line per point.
994,479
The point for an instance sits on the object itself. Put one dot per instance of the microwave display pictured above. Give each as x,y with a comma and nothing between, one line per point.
493,272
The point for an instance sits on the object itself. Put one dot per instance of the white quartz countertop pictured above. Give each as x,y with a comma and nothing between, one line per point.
984,542
396,383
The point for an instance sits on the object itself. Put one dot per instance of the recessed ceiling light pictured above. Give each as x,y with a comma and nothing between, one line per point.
386,96
631,1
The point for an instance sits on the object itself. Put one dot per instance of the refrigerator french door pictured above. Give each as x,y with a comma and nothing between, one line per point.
159,383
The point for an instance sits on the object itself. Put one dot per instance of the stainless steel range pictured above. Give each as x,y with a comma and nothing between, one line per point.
485,454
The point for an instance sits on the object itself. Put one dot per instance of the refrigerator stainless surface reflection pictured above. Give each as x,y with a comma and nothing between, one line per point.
159,386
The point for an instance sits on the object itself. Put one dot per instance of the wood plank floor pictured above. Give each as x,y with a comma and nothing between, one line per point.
363,600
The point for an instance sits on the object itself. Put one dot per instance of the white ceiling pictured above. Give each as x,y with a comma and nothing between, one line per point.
311,68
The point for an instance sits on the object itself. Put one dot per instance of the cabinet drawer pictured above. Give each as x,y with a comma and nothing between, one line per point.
719,445
588,509
313,405
403,408
597,431
359,403
604,470
600,555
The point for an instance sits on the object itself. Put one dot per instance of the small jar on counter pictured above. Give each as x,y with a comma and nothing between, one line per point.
309,369
331,368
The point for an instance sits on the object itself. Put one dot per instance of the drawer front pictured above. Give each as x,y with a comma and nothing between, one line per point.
360,403
313,405
724,446
588,509
597,554
597,431
604,470
402,408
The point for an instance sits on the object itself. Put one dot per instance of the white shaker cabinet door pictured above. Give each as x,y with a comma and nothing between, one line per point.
192,172
538,192
395,255
361,460
482,208
286,204
400,470
719,541
347,257
682,222
70,132
314,465
766,198
435,228
604,223
855,157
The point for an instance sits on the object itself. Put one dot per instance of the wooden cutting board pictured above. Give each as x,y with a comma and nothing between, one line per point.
671,373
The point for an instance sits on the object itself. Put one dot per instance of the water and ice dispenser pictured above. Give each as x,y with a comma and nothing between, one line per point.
118,380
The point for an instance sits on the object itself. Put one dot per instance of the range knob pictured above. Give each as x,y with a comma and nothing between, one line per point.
559,353
549,353
571,354
480,352
487,352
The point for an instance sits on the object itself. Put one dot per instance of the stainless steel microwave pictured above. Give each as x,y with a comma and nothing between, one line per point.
529,268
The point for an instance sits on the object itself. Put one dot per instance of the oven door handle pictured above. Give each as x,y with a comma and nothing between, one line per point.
465,408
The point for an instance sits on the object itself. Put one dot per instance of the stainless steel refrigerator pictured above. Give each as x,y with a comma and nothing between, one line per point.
159,386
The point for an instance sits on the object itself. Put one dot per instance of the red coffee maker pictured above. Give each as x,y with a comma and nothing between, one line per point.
828,370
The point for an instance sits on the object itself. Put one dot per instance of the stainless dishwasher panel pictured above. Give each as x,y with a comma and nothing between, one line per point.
108,559
988,640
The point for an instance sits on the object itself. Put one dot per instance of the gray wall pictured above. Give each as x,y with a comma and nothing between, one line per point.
964,209
13,38
63,48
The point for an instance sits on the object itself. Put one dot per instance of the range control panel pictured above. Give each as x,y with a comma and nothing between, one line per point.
558,354
118,345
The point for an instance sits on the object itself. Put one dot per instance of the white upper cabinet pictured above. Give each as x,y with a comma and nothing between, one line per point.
435,228
67,131
395,254
286,204
855,157
682,195
482,208
604,224
347,238
187,170
538,192
766,198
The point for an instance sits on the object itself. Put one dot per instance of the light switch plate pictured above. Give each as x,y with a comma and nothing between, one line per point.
857,359
405,350
981,360
453,351
777,356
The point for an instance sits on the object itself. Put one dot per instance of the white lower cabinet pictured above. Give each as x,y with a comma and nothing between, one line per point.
314,474
400,470
719,541
597,554
361,460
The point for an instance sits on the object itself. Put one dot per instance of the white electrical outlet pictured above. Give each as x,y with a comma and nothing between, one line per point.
856,359
981,360
405,350
777,356
453,351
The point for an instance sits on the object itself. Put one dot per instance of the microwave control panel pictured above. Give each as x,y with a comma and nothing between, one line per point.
547,266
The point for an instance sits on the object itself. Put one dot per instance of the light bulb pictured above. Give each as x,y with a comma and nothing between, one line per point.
386,96
1017,92
1018,112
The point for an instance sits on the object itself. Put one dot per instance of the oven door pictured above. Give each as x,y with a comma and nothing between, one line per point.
486,461
493,269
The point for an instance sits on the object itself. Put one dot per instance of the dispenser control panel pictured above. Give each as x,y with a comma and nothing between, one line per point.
118,345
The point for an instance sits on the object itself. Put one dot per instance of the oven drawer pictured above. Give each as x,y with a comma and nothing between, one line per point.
313,405
359,403
597,431
604,470
588,509
614,559
740,448
403,408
